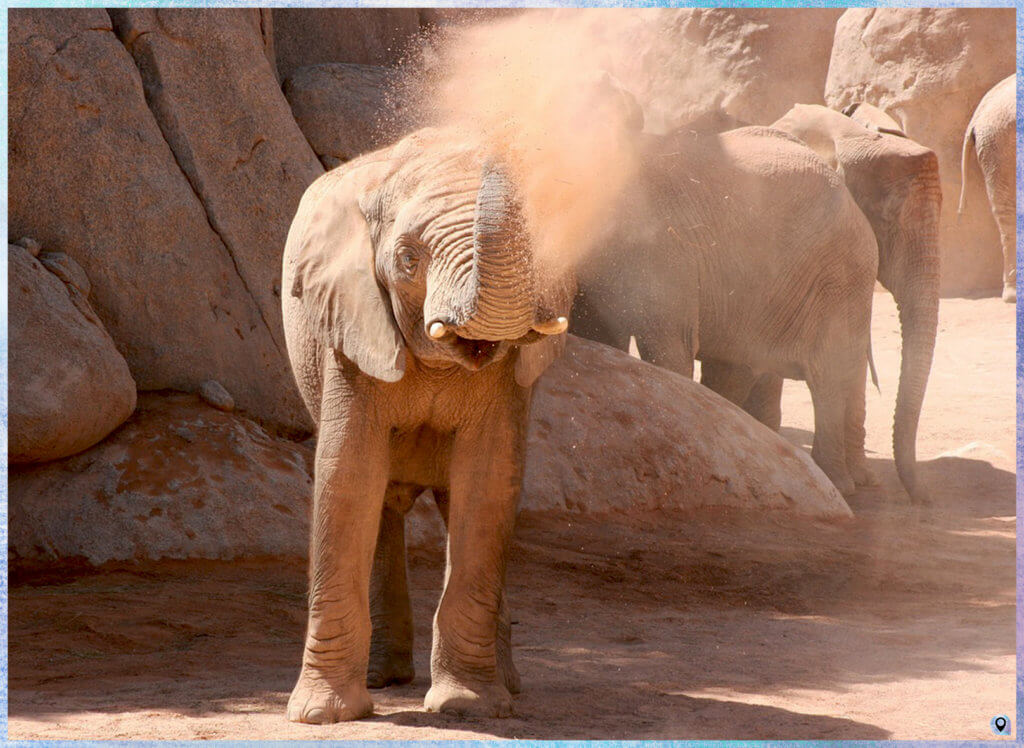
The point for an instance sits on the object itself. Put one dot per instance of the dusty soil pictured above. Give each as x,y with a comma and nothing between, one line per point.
896,624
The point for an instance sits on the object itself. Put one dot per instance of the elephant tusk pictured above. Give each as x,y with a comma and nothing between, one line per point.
552,327
437,330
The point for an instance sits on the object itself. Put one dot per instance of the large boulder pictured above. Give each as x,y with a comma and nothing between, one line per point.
752,64
218,104
345,109
179,480
929,67
68,385
366,36
91,174
611,433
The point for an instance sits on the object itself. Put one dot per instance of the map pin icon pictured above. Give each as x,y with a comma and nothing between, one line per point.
1000,724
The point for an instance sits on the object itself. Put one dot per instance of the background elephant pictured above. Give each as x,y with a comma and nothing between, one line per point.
746,251
993,131
895,182
416,322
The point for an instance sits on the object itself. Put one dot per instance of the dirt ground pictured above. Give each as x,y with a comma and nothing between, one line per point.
896,624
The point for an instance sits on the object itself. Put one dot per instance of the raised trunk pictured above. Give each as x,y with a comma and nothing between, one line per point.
504,306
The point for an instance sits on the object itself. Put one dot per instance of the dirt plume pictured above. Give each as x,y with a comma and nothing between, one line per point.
565,126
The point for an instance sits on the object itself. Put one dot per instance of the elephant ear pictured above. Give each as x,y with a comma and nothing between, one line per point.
535,358
334,271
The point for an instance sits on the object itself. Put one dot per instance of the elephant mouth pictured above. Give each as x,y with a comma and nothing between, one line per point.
476,354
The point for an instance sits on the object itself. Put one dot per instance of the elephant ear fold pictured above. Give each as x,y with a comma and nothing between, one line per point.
332,251
535,358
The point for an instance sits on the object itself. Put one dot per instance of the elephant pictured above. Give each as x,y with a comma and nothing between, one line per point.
993,132
417,318
746,251
895,182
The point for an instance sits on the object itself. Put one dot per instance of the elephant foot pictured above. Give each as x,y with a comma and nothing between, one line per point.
863,476
843,483
389,669
492,700
1010,294
317,701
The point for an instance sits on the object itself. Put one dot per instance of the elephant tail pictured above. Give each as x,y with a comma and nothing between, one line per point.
871,365
968,141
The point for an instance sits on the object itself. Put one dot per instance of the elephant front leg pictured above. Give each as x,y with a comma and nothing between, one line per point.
485,472
390,609
349,483
507,671
829,397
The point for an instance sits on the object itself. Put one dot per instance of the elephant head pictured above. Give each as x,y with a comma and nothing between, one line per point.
420,251
895,182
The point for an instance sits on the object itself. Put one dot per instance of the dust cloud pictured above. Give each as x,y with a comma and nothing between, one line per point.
537,89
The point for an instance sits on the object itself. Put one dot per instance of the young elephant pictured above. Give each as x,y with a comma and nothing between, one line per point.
417,319
746,251
895,182
993,131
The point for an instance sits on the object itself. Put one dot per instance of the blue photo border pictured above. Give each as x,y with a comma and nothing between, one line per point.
4,599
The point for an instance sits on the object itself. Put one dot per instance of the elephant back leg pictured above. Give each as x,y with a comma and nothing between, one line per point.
732,381
997,158
390,610
765,400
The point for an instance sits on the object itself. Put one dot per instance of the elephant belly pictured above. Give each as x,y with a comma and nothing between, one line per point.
420,456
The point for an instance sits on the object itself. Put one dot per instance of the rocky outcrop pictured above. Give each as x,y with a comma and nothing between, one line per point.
179,480
91,174
929,67
345,110
365,36
217,102
752,64
610,433
69,386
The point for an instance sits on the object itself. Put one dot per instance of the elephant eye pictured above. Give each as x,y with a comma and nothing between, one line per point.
408,260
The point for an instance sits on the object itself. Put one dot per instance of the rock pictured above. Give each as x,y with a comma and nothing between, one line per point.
163,282
218,103
213,392
366,36
69,271
752,64
610,433
69,386
344,110
30,244
929,67
178,480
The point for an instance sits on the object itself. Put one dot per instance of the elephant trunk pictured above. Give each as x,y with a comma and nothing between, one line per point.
505,303
486,290
916,291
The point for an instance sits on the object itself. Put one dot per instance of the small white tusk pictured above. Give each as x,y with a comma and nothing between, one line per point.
437,330
552,327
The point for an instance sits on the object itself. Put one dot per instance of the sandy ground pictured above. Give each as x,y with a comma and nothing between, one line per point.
896,624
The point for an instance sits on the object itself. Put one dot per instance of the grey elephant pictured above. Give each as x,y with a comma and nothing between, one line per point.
746,251
993,133
895,182
416,320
